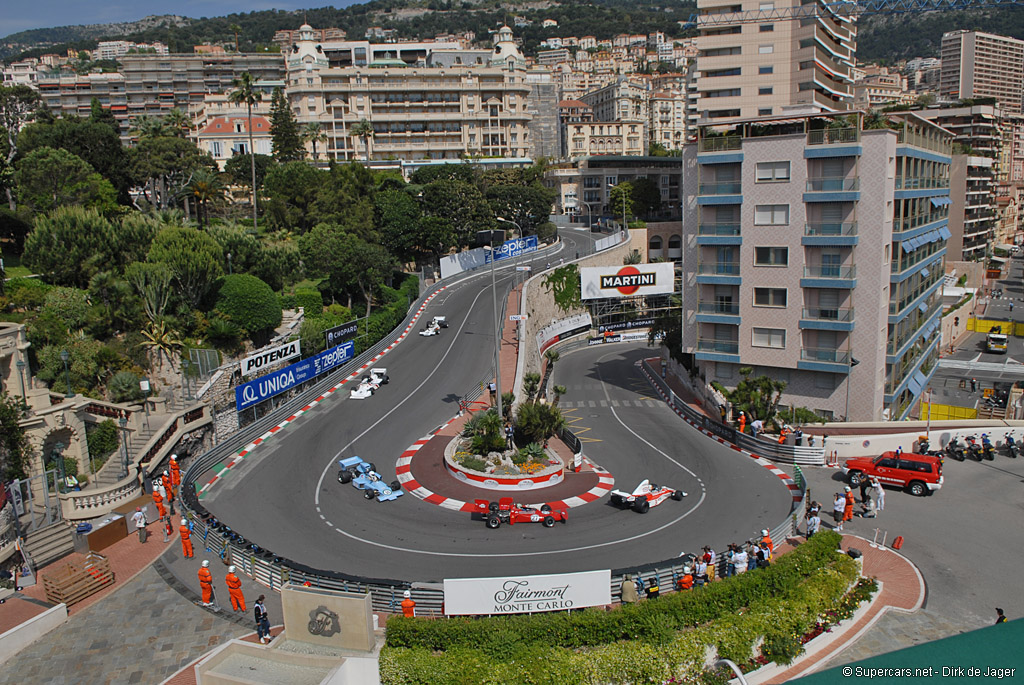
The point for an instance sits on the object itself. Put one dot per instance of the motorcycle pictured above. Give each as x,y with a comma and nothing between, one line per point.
986,447
973,448
955,450
1012,448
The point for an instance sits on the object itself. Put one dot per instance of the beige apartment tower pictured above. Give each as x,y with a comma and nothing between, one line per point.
757,57
980,65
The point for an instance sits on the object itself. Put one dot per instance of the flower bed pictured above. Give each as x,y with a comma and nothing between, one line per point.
483,471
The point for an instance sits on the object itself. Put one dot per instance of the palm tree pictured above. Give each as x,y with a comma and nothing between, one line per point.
235,28
145,126
314,134
559,390
363,129
162,341
206,187
245,91
177,122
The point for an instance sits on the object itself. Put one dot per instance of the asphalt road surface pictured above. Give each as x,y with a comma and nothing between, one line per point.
284,495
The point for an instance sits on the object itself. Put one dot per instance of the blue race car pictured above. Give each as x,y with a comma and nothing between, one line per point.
363,476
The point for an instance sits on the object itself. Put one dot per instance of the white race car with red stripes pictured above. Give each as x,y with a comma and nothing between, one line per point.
645,496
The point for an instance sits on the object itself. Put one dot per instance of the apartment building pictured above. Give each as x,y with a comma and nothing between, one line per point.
476,105
876,87
286,37
588,139
667,123
223,137
116,49
814,251
585,187
975,174
69,94
749,69
979,65
623,99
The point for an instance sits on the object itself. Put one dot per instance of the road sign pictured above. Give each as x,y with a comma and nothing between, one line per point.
518,317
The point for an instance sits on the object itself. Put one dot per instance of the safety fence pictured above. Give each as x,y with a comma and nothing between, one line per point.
946,412
986,326
790,454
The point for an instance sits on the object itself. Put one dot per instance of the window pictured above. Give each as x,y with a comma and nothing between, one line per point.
771,215
771,256
766,49
766,28
765,90
887,463
764,112
769,172
766,70
723,370
769,337
724,93
770,297
734,71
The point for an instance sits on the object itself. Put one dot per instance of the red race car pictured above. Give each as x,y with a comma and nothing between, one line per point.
645,496
507,511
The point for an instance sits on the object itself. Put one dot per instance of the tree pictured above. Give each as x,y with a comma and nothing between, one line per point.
162,166
363,130
245,92
290,191
160,339
98,114
238,169
235,29
124,387
49,178
249,303
18,105
153,282
145,126
536,422
435,236
564,284
115,308
86,242
350,263
284,131
646,195
620,201
426,175
346,199
207,188
194,259
461,204
15,448
313,133
757,397
397,217
178,123
527,206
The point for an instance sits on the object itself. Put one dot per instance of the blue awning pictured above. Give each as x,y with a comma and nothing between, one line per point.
945,233
924,271
923,307
933,236
915,242
905,244
921,379
937,202
914,386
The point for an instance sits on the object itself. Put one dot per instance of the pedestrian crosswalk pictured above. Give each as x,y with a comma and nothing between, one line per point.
594,404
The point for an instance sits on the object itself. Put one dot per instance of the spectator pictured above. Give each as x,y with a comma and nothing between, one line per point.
1000,616
262,622
730,561
700,571
838,505
740,559
813,524
710,559
757,427
879,494
628,590
652,589
751,557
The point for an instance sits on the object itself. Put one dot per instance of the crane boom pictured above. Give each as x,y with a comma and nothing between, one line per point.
844,8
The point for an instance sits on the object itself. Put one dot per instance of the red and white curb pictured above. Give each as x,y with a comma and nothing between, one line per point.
794,489
229,464
404,469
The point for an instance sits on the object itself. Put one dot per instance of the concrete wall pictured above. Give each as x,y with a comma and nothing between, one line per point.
20,637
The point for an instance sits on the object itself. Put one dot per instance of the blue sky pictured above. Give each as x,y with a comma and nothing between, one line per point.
18,15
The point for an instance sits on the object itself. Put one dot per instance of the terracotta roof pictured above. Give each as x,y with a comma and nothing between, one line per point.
226,125
572,103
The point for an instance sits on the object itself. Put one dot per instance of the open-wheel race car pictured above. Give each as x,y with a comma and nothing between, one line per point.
645,496
363,476
435,326
370,384
507,511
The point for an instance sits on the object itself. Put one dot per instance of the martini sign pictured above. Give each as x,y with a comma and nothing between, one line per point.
627,281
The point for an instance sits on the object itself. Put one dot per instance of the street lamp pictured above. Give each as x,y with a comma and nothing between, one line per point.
229,263
144,386
21,373
497,332
64,356
849,372
124,441
520,229
928,426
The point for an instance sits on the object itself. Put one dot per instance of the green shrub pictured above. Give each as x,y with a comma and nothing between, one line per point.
288,301
547,232
124,387
310,300
474,463
249,303
537,422
102,439
27,293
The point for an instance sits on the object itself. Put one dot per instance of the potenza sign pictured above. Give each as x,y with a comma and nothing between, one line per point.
265,358
527,594
597,282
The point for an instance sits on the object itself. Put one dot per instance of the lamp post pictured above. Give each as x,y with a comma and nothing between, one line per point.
516,258
21,373
144,386
229,263
851,362
64,356
928,426
124,441
497,333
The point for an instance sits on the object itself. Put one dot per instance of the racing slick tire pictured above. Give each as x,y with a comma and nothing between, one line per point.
678,495
617,500
369,494
493,522
395,486
493,508
641,506
373,467
344,476
548,521
545,507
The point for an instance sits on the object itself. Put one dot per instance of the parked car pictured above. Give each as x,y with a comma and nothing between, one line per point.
920,474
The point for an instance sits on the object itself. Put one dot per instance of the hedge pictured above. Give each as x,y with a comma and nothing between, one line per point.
657,653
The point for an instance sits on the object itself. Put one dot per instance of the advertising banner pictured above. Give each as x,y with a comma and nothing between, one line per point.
514,248
339,334
598,282
265,387
626,325
561,329
527,594
268,357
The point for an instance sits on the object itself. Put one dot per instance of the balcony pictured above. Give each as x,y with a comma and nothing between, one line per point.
713,349
718,312
719,273
830,234
724,188
720,144
827,319
824,359
719,234
921,183
829,276
833,136
832,184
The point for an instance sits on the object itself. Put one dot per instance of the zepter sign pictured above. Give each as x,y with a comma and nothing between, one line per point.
598,282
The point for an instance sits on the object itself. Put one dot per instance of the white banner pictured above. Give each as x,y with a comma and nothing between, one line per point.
627,281
268,357
527,594
550,333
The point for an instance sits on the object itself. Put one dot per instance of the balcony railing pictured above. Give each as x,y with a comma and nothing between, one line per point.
918,183
831,229
832,184
718,229
829,271
833,136
824,354
721,144
722,346
843,314
719,268
725,188
718,308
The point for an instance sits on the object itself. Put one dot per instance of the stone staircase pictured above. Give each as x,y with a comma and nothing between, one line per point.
110,472
48,544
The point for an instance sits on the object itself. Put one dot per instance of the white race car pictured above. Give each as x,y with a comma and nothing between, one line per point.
435,326
370,384
644,497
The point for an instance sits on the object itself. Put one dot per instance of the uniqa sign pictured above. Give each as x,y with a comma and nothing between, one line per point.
265,387
263,358
527,594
